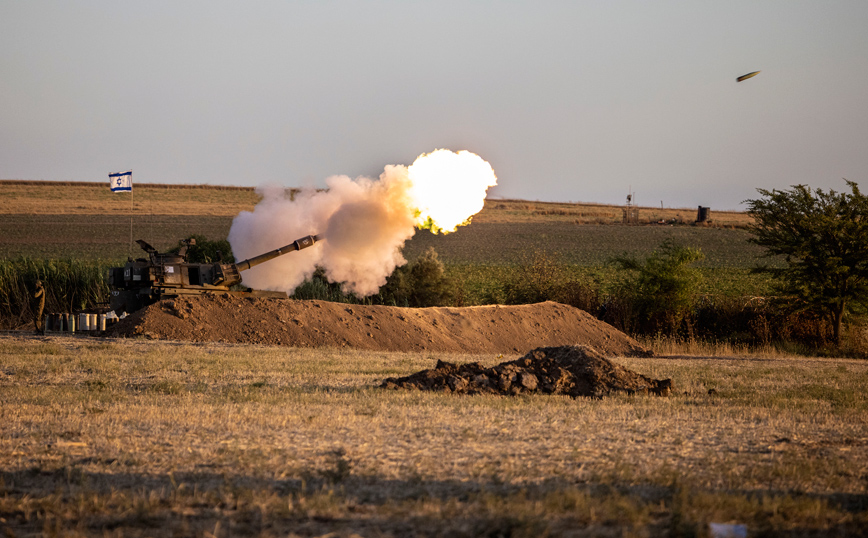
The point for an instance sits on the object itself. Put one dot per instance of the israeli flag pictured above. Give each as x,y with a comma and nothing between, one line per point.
121,181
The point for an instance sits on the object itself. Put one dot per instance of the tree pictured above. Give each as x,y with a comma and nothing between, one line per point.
823,238
663,285
418,284
429,284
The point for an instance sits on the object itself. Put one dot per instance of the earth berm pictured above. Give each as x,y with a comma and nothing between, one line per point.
474,330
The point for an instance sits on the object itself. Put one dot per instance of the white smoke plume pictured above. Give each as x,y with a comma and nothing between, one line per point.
365,222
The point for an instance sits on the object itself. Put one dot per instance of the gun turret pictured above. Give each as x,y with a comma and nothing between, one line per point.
147,280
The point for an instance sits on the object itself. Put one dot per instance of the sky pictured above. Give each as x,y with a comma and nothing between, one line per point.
581,101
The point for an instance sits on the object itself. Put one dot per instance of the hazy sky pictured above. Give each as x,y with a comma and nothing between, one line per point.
568,101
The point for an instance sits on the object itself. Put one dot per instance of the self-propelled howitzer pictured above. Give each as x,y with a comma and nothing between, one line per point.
144,281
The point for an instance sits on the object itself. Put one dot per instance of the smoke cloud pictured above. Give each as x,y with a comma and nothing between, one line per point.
365,223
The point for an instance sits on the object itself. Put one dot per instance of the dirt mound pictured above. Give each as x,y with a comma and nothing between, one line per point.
477,329
572,370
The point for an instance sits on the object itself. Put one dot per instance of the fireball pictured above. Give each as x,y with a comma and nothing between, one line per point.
448,188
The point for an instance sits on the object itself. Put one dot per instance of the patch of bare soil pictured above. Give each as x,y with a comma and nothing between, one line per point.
571,370
477,329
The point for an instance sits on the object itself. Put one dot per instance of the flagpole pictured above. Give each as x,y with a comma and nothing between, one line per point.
123,182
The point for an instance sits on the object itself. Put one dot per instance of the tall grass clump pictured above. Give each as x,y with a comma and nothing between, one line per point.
541,276
70,285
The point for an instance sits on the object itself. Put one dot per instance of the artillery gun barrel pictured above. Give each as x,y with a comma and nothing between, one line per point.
298,244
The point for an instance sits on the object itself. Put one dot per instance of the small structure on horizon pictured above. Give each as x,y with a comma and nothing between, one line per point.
631,212
702,214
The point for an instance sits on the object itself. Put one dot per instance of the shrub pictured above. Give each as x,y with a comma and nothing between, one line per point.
420,283
537,278
660,289
319,288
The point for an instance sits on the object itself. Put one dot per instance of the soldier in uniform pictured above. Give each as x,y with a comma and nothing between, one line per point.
38,305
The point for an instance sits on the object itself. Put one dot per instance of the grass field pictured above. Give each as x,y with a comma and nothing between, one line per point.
87,221
93,198
138,438
108,237
83,198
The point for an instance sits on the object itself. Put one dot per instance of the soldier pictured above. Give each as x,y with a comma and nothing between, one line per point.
38,306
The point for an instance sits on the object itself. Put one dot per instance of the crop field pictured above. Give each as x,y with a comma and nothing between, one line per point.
99,237
107,237
87,221
140,438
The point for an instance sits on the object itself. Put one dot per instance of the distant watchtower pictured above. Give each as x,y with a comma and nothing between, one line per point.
631,212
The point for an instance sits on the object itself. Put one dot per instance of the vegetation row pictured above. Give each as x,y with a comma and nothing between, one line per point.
659,296
818,297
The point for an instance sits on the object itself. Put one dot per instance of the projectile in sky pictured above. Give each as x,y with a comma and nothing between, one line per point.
745,77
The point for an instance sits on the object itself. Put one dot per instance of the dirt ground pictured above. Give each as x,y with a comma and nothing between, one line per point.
478,329
576,371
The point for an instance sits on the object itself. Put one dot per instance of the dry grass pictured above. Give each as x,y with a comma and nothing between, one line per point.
523,211
89,198
70,198
136,438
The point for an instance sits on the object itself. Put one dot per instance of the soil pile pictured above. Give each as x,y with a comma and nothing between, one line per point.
477,329
572,370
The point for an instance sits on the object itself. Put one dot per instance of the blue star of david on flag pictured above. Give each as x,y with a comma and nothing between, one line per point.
121,181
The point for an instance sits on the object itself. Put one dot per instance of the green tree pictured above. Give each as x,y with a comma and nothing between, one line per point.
418,284
663,285
823,237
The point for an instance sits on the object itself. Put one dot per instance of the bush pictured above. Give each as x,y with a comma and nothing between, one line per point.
320,289
757,321
536,279
659,290
420,283
541,277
